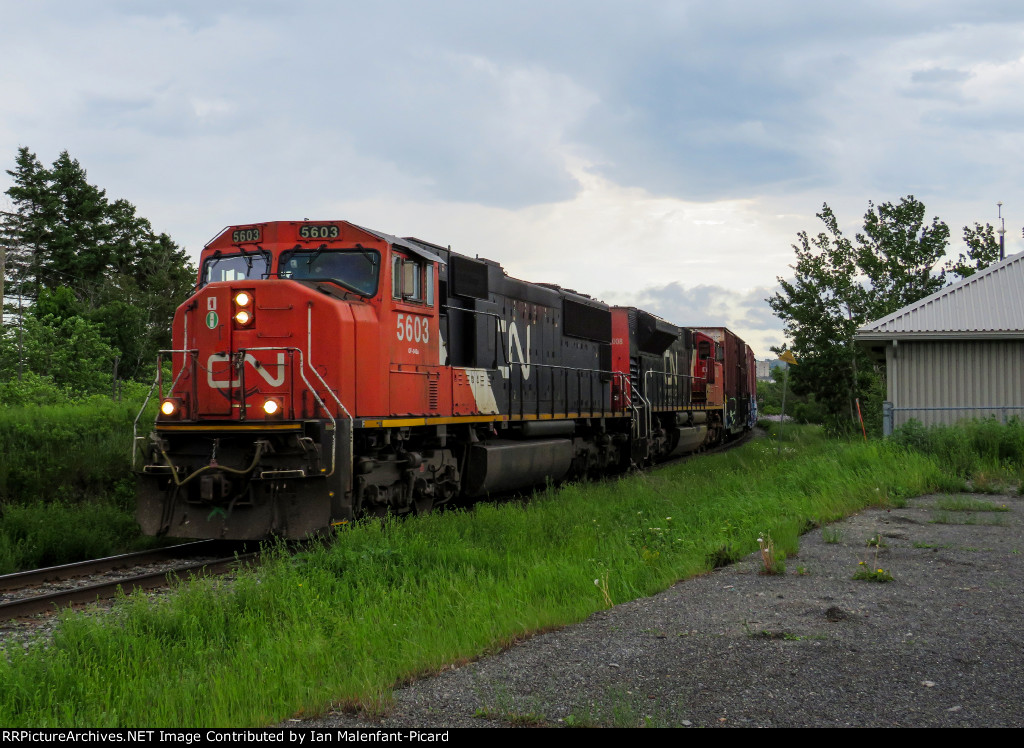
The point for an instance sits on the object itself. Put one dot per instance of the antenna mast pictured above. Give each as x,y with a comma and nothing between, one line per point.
1002,231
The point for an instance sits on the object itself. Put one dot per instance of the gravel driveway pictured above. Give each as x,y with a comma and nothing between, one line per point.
941,645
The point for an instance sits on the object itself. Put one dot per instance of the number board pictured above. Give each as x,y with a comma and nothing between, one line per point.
314,231
245,235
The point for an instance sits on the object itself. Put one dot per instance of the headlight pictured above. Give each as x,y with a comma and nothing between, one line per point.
169,407
271,407
243,311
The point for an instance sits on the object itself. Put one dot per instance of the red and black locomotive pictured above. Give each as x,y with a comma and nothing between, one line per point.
323,371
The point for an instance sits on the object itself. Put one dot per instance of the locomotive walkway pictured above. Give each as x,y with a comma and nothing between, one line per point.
942,645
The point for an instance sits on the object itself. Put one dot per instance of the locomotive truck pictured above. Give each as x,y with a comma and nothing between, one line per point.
323,371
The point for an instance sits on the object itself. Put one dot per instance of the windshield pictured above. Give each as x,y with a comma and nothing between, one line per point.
354,269
250,266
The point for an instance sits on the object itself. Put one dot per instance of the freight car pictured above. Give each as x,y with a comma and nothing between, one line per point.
323,371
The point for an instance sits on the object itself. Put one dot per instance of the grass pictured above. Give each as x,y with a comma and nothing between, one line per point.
967,504
945,518
618,708
66,489
70,451
60,532
832,535
341,625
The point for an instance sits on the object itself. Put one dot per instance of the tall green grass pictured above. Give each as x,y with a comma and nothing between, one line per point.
68,451
982,450
342,624
66,488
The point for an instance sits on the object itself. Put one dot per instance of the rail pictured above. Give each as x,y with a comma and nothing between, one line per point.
622,378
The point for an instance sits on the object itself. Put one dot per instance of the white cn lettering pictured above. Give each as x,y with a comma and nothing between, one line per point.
513,341
262,369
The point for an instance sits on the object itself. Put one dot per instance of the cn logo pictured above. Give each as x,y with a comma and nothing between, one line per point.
261,368
513,343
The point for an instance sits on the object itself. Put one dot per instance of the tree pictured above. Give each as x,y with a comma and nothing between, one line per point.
982,251
63,233
840,285
821,309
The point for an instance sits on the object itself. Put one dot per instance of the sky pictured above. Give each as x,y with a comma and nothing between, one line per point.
657,154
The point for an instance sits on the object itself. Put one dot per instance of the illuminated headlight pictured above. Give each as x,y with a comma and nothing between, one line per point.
271,407
169,407
243,308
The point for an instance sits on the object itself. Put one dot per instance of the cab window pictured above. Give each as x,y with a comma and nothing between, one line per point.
248,266
412,280
355,270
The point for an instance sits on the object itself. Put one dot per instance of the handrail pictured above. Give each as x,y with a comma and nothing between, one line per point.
156,381
650,418
241,353
621,376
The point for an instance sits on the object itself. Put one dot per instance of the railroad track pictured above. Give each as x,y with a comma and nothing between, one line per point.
214,561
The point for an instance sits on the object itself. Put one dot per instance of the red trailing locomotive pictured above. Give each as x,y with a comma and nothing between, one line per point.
324,371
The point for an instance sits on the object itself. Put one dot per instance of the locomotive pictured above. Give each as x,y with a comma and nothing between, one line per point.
323,371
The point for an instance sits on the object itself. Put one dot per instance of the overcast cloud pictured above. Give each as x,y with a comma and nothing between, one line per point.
658,153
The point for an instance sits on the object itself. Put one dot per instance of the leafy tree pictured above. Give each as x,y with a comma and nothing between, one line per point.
68,351
982,251
822,309
840,285
897,252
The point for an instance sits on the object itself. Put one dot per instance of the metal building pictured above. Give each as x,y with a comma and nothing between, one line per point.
956,354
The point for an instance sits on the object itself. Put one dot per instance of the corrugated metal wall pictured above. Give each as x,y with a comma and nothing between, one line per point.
960,374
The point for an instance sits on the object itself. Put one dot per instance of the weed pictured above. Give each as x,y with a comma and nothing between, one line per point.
801,571
832,535
602,584
617,709
868,573
770,560
513,718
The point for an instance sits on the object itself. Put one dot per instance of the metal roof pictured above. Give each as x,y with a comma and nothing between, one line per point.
988,304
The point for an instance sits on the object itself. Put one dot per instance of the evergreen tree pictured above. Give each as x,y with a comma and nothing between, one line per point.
65,236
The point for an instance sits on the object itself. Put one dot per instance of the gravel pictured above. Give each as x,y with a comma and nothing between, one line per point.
940,646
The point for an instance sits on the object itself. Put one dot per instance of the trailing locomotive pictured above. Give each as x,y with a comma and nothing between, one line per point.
323,371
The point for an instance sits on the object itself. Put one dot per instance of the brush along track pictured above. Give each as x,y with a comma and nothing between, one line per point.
35,592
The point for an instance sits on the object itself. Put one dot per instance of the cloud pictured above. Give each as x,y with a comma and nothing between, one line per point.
745,312
575,142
